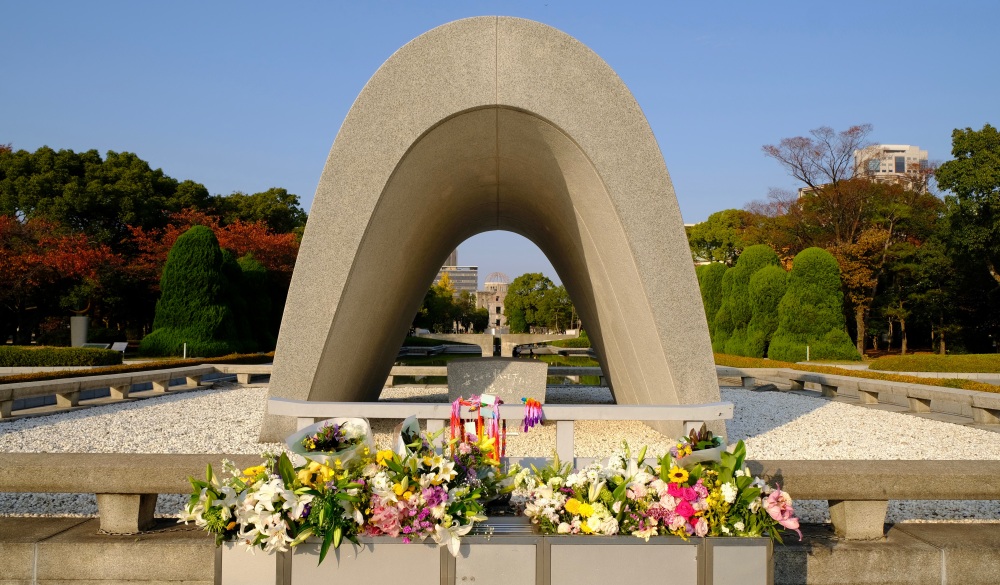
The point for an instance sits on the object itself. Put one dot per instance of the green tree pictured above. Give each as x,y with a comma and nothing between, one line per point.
439,311
710,283
276,207
974,178
194,306
525,305
257,303
811,312
855,218
736,298
767,288
557,309
100,197
720,237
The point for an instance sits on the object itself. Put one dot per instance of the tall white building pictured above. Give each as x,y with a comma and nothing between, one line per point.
893,163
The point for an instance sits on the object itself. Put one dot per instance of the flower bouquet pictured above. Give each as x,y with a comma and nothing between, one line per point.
428,494
699,446
420,494
337,439
710,498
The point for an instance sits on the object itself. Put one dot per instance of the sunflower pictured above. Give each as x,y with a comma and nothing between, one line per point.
678,475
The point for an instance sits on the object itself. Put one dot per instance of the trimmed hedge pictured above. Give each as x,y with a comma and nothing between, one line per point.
734,361
25,356
255,358
736,305
811,312
710,283
984,363
767,287
197,291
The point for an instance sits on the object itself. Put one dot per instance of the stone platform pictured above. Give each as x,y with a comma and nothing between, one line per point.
72,551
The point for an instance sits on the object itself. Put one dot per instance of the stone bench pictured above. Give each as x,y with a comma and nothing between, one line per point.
126,485
67,390
858,492
984,407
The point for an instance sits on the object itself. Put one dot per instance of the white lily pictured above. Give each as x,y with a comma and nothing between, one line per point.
451,536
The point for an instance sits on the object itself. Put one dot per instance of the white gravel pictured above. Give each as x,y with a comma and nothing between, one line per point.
774,425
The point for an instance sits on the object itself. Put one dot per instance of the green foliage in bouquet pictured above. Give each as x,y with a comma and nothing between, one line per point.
420,494
713,497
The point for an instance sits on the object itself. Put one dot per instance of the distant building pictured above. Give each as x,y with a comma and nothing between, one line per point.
463,278
492,299
902,164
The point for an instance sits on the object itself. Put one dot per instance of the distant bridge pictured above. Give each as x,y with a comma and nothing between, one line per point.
508,341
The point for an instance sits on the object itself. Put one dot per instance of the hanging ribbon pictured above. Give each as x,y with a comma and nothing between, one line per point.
495,428
532,413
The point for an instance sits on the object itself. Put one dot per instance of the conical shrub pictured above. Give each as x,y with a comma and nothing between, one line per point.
811,312
194,305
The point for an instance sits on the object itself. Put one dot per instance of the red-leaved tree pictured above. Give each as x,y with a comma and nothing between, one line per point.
45,268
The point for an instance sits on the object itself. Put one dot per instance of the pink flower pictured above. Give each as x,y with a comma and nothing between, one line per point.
701,527
685,509
779,506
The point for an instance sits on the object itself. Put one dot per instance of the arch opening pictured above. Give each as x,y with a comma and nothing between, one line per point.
494,124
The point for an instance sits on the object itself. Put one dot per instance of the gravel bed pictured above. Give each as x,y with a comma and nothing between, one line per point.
774,426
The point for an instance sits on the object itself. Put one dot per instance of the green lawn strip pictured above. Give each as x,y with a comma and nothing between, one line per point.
143,367
412,341
579,342
984,363
733,361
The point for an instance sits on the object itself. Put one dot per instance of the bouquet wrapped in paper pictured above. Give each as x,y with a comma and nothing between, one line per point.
332,440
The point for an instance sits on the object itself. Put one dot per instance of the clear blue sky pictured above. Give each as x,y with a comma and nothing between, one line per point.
243,96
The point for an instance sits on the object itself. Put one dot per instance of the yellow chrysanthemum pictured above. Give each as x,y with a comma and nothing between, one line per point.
586,510
253,471
572,506
678,475
382,456
585,529
315,474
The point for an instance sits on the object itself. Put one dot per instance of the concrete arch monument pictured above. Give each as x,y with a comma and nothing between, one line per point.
494,123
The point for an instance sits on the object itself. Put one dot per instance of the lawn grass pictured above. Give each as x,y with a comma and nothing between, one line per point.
735,361
985,363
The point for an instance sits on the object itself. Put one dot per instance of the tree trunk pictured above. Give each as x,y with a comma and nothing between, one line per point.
941,349
902,333
993,271
859,320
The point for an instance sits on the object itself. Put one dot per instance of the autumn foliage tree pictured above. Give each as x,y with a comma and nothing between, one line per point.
855,218
45,267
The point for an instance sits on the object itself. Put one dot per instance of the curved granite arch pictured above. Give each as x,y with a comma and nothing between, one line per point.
493,123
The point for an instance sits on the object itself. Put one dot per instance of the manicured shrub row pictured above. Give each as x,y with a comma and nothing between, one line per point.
733,361
987,363
254,358
24,356
756,309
